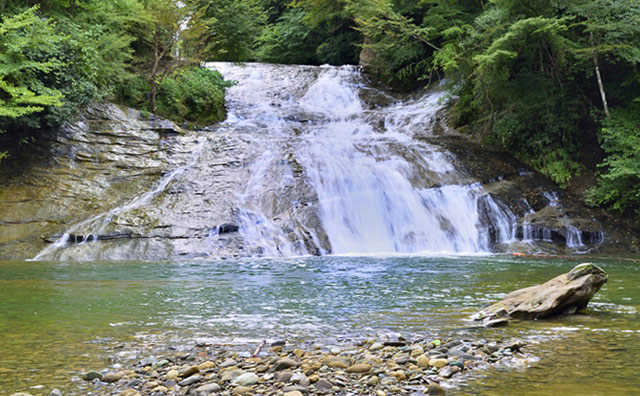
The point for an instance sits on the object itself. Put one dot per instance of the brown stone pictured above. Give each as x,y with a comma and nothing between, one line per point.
359,368
190,371
336,362
111,377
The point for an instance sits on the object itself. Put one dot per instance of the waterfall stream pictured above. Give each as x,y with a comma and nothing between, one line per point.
314,161
355,156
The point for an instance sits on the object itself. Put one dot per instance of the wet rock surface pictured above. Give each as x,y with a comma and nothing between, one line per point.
311,369
566,293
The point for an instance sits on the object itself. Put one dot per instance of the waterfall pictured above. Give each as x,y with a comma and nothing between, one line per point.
314,160
378,189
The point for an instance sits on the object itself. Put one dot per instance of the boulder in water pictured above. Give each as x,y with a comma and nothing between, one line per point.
566,293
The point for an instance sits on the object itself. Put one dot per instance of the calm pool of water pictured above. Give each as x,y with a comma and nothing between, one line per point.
59,319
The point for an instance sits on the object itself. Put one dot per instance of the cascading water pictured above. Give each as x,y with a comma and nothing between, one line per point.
370,198
313,160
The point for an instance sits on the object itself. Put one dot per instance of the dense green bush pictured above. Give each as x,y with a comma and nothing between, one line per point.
619,184
195,95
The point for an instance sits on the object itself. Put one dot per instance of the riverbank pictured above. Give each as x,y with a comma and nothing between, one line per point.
392,366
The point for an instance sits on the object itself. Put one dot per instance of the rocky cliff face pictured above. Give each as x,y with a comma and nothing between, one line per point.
115,185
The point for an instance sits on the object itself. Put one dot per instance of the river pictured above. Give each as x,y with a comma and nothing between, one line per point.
60,319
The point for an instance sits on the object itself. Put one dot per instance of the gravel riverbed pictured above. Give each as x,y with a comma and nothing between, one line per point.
397,366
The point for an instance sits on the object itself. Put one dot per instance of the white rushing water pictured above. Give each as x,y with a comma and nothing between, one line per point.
355,155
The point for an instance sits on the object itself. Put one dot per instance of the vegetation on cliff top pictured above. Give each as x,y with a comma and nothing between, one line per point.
58,56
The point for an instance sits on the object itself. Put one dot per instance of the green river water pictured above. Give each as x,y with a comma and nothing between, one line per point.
60,319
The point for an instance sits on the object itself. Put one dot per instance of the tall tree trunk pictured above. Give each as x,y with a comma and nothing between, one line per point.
154,73
596,65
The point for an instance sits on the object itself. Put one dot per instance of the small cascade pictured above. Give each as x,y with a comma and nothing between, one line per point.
94,227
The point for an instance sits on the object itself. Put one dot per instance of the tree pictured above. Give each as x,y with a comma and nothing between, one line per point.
174,40
24,39
232,28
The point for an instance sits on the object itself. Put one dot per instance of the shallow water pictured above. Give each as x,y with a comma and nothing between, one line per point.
59,319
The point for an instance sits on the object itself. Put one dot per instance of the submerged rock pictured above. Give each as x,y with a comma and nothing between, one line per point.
566,293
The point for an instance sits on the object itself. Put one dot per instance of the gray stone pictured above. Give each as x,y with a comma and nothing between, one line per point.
294,388
55,392
562,293
284,363
448,371
284,376
149,361
191,380
246,379
189,371
323,384
208,388
228,363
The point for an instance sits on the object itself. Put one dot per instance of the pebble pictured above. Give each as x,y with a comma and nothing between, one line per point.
228,363
206,365
285,363
400,368
172,375
423,361
399,375
284,376
191,380
376,347
190,371
209,388
448,371
435,389
336,362
323,384
294,388
91,375
359,368
246,379
55,392
111,377
438,363
130,392
241,390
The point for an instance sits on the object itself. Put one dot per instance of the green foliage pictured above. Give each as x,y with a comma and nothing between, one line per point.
311,32
233,26
619,184
25,42
195,95
289,40
414,41
521,85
